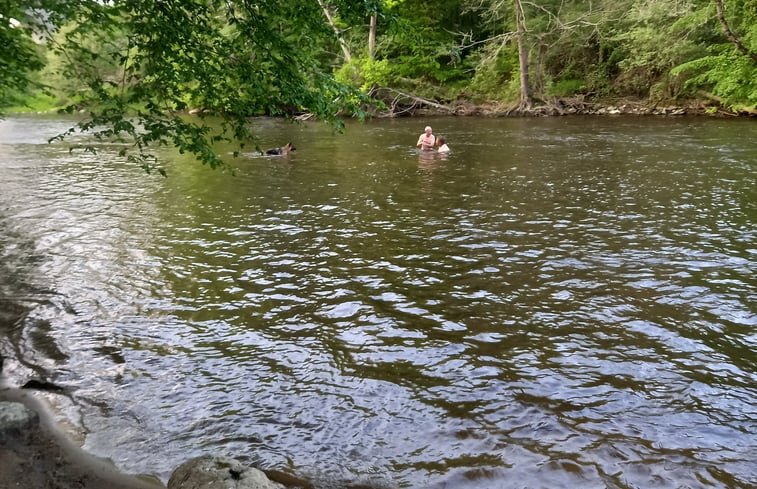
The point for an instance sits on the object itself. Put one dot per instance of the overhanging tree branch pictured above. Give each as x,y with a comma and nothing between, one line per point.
339,38
729,33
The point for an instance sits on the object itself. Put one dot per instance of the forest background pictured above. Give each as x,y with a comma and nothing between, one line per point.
135,66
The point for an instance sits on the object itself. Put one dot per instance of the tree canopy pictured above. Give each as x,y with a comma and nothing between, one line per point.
136,66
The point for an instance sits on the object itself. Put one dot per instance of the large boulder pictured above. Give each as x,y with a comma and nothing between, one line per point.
209,472
16,419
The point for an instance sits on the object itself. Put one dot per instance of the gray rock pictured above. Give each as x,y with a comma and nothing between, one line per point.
211,472
15,419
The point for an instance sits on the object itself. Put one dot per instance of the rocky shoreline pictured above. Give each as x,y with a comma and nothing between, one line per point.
397,103
580,107
403,104
35,453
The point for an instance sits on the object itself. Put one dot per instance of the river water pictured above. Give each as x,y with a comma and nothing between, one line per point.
560,302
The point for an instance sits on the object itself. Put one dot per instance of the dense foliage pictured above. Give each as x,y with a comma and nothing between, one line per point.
19,56
136,65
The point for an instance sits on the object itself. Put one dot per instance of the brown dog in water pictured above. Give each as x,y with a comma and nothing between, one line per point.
282,151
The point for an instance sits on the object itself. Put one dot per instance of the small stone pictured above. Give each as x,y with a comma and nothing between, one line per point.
209,472
15,418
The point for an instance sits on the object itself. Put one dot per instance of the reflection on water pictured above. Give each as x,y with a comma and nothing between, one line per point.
563,302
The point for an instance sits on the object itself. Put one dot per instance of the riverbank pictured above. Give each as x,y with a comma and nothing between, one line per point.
41,456
35,453
401,104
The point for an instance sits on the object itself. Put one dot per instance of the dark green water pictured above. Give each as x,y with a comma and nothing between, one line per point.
558,303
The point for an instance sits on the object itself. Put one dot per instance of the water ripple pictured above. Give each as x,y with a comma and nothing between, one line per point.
577,309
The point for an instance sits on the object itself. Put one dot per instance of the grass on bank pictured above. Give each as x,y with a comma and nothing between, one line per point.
37,102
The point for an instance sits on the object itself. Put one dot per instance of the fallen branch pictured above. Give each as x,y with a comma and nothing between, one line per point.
403,102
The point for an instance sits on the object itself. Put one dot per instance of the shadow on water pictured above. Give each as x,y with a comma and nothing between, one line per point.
26,309
28,305
556,302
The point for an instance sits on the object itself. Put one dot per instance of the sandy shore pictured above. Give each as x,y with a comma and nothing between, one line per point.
43,457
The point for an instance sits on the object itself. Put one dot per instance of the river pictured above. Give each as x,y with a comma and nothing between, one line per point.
560,302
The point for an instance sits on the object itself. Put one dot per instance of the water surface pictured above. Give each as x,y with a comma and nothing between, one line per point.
559,302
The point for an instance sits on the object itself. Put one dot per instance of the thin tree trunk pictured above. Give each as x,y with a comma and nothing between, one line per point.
372,37
340,39
525,95
729,33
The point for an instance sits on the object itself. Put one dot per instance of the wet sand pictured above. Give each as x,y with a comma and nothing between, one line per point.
44,458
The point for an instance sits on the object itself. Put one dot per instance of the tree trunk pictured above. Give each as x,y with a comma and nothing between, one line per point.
729,33
525,95
372,37
339,38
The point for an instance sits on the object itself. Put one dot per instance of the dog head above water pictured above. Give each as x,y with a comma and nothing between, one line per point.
284,150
